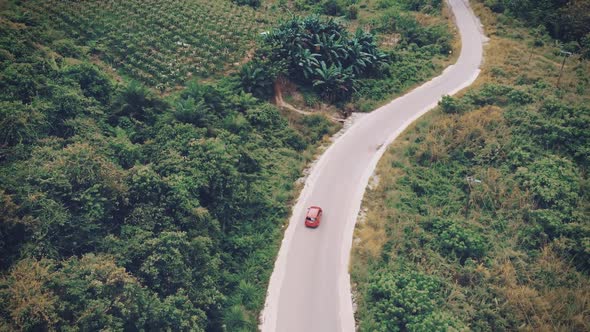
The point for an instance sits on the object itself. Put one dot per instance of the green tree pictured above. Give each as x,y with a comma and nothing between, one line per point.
455,239
322,54
405,300
26,298
20,123
93,82
22,81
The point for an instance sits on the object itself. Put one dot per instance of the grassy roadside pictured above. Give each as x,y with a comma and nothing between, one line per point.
480,217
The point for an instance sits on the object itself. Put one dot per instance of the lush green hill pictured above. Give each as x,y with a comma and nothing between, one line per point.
124,210
480,219
134,199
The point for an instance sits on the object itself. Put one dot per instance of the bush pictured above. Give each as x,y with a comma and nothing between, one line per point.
315,127
437,38
451,105
489,94
93,82
352,12
520,97
193,111
405,301
251,3
257,77
455,239
437,321
20,123
67,48
322,55
266,118
497,6
553,183
555,126
585,46
422,5
332,8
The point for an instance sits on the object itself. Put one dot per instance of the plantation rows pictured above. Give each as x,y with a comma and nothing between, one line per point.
161,43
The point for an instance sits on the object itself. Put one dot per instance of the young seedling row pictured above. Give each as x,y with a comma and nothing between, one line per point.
162,43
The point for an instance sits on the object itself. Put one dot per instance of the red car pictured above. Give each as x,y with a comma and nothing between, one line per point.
313,217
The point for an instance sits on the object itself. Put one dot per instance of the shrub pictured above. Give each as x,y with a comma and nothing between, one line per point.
451,105
266,118
520,97
251,3
332,8
315,127
193,111
20,123
67,48
553,182
455,239
257,78
434,37
497,6
585,46
405,300
498,72
489,94
436,321
310,99
352,12
321,54
422,5
93,82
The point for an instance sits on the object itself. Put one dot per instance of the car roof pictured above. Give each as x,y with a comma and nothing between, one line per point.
314,211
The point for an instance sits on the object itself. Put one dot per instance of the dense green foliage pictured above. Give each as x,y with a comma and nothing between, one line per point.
365,67
122,210
481,215
350,8
415,48
568,20
251,3
406,301
316,53
433,39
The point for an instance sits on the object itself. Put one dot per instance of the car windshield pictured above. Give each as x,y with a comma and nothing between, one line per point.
310,219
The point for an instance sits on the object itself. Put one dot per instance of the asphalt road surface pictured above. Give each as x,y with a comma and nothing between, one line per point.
310,286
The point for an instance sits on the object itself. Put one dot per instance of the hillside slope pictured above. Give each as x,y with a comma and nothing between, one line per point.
479,214
125,210
141,187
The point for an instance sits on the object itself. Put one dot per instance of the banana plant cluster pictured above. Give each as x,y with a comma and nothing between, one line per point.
320,53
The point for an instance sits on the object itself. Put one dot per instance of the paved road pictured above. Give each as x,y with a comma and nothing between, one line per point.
310,286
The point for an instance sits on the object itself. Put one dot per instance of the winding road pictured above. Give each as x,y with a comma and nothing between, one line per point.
309,289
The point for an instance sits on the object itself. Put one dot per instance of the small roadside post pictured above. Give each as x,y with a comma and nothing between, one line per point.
565,55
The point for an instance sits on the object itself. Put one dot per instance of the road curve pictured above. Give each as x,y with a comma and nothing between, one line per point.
309,289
